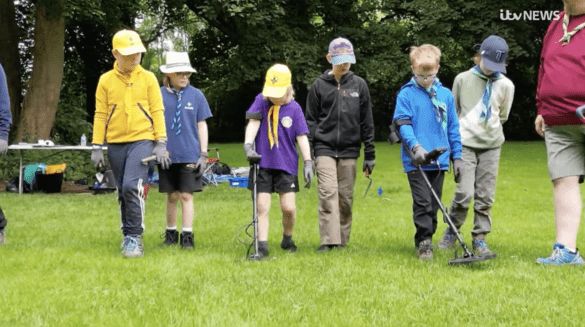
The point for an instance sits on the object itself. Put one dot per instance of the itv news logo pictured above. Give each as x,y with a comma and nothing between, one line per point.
530,15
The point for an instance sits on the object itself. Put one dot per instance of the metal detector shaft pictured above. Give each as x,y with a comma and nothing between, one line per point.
254,174
444,211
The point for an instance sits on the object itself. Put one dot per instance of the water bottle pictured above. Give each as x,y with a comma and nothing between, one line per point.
83,141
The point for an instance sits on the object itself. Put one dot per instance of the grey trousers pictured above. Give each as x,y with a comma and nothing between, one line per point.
336,179
478,182
130,175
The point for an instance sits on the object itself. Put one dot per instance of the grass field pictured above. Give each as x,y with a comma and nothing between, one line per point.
61,265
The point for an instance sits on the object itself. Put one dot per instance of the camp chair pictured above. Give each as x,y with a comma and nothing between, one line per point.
208,177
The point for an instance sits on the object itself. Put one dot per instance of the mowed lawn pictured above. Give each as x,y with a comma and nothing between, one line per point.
61,265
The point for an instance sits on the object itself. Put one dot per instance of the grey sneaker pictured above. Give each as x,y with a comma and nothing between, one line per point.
425,250
132,247
1,237
263,250
448,240
481,249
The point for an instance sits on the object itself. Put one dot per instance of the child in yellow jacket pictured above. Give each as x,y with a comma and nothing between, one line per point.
129,117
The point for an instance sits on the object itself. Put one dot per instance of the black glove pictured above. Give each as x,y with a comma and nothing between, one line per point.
308,172
97,155
457,169
201,164
419,155
162,155
252,156
368,166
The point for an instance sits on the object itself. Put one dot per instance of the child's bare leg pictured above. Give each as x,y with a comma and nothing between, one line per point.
172,199
188,211
263,209
289,212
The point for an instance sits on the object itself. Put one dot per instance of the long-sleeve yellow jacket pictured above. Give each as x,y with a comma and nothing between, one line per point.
128,108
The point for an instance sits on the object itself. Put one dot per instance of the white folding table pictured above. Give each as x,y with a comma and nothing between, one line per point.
33,146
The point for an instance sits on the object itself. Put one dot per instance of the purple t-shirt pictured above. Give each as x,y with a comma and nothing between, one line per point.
291,123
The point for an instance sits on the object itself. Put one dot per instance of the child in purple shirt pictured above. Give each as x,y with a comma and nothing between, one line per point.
276,124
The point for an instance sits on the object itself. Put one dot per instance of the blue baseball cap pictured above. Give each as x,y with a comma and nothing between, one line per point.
494,52
341,51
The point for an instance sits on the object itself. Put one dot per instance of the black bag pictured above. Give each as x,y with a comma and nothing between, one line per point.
12,186
221,168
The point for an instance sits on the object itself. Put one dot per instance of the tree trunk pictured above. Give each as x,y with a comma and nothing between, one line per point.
9,56
44,87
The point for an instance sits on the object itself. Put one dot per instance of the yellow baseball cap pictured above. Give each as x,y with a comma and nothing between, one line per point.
127,42
278,80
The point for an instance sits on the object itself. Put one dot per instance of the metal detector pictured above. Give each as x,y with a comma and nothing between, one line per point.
468,256
255,256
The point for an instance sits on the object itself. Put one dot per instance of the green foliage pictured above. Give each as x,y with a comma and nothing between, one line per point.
61,264
233,42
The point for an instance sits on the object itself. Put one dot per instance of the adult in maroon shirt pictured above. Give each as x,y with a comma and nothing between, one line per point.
561,90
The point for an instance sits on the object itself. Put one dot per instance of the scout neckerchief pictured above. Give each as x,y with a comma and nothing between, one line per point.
439,106
486,111
176,124
273,125
566,34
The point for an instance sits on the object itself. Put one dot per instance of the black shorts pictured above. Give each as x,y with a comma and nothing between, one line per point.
275,181
181,177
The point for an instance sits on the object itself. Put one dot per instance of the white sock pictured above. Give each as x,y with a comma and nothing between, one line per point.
172,227
188,230
571,250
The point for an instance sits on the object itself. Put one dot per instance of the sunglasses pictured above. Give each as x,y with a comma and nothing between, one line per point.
183,74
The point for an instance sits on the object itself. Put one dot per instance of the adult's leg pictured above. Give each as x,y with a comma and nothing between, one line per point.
3,220
567,198
566,162
329,225
346,174
485,191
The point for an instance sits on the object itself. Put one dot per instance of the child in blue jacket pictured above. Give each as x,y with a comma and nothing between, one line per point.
426,118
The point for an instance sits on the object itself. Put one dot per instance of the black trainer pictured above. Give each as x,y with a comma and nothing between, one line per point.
326,248
171,237
288,244
187,240
263,250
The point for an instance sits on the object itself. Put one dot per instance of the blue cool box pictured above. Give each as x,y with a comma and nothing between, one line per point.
238,182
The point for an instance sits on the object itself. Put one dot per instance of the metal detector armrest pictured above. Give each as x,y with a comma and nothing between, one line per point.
394,136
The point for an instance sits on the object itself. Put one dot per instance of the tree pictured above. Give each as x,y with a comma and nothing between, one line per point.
40,102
